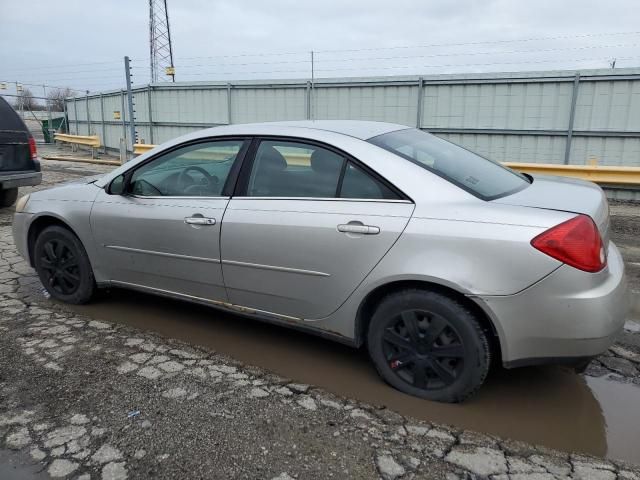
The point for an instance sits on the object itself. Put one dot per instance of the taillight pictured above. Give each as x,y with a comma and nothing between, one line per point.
33,149
575,242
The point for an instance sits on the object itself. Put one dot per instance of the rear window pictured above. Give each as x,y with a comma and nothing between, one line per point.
480,176
9,119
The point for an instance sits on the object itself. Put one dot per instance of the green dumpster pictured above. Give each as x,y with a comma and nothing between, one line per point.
57,124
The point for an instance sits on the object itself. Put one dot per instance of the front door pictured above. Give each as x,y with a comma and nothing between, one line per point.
308,227
164,232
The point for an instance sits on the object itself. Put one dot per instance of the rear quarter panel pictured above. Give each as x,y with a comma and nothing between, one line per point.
471,246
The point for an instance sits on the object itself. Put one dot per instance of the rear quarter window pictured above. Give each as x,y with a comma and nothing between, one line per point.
9,118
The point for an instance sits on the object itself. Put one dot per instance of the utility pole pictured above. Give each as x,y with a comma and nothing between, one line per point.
132,124
49,125
20,99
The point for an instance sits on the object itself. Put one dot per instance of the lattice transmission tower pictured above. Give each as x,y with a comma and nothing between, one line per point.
160,49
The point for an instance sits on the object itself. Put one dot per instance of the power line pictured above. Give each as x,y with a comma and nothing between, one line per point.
488,42
80,78
64,72
350,59
265,72
558,60
66,65
406,57
495,52
39,85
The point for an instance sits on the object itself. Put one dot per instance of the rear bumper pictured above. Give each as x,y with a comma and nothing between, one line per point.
567,316
19,179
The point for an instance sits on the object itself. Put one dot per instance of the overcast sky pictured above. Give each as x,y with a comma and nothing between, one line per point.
80,43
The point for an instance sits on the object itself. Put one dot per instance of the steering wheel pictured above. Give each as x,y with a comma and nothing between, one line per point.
185,180
141,185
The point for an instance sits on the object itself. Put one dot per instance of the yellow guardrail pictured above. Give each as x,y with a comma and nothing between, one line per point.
92,141
608,175
139,148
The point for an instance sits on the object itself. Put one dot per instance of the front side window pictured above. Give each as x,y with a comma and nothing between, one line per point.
293,169
484,178
199,170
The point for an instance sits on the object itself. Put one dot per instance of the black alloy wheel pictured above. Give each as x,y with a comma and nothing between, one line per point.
429,344
63,265
423,349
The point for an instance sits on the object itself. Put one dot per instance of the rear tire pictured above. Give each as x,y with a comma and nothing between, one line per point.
63,265
429,345
8,197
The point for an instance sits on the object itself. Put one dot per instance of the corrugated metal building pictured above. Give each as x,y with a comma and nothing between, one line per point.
576,117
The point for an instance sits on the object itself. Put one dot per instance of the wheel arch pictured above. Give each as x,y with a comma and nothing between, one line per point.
373,298
38,225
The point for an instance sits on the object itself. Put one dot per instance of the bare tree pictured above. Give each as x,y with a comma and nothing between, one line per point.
26,101
56,98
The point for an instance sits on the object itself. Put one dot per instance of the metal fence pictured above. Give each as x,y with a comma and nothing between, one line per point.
571,117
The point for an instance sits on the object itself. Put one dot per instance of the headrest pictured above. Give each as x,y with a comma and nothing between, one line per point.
272,159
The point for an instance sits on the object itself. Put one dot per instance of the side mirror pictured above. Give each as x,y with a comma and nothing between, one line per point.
117,186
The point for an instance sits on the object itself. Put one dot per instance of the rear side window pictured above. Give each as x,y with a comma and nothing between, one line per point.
292,169
300,170
482,177
9,119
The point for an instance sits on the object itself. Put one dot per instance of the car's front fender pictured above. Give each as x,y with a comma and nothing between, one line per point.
69,205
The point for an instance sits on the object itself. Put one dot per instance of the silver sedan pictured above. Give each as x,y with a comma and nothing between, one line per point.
438,260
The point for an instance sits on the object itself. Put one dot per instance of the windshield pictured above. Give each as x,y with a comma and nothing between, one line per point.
482,177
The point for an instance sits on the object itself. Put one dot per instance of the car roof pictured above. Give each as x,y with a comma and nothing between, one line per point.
354,128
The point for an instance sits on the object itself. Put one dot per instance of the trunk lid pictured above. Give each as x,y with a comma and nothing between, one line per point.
567,195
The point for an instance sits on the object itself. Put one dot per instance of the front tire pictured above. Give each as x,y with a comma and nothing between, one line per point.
8,197
63,266
429,345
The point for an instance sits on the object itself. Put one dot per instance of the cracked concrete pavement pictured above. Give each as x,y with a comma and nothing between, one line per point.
86,399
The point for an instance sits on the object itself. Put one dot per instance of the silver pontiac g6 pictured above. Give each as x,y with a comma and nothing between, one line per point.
438,260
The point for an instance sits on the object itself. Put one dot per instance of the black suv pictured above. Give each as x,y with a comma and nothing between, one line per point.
19,165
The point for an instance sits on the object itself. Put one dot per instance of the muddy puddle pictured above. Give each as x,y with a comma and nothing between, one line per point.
549,406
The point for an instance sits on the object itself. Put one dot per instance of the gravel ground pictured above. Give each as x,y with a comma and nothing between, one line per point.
625,229
81,398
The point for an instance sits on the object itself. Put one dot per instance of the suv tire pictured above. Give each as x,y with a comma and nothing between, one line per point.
8,197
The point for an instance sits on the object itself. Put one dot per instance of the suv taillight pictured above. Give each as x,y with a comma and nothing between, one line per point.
575,242
33,149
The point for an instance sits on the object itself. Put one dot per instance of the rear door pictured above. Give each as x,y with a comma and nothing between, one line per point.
307,227
14,141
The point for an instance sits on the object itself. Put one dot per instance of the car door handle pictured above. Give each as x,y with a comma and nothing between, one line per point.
359,228
202,221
